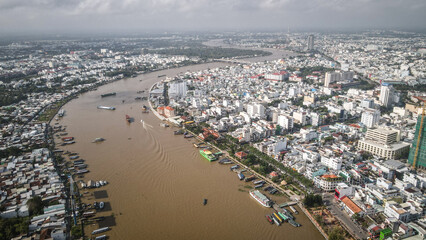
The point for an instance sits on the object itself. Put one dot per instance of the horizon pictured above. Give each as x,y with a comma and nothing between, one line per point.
132,16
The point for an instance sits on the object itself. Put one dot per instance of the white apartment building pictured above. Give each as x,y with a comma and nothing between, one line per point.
332,163
387,95
178,89
370,117
392,209
286,122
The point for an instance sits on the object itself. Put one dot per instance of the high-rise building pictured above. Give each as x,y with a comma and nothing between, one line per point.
177,89
310,42
331,77
383,143
419,144
387,94
367,103
370,117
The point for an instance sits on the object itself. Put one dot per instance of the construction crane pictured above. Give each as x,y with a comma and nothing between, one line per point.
419,135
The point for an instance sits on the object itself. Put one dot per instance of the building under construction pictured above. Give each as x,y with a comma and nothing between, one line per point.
417,157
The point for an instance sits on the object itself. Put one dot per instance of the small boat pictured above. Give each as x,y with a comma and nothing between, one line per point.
98,140
106,108
250,178
225,161
100,230
102,237
101,205
128,118
235,167
294,210
241,176
144,109
293,223
109,94
205,201
269,219
178,132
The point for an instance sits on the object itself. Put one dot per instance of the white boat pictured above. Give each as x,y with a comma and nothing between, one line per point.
98,140
262,199
106,108
101,205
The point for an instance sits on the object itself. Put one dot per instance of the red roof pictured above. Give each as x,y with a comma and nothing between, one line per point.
170,108
241,155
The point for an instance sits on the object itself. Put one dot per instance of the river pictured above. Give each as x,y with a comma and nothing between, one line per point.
157,181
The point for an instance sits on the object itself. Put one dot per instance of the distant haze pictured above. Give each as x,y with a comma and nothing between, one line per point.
100,16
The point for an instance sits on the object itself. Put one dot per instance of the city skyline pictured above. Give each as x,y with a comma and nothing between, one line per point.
83,16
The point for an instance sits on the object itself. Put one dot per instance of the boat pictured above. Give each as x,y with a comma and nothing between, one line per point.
67,139
250,178
61,113
294,210
82,171
102,237
101,230
294,223
128,118
241,176
98,140
287,213
235,167
259,182
269,219
283,216
205,201
208,155
278,217
259,185
178,132
88,214
276,221
262,199
225,161
145,109
109,94
164,125
74,157
101,205
162,75
106,108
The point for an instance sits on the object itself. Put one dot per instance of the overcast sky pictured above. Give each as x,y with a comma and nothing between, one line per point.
99,16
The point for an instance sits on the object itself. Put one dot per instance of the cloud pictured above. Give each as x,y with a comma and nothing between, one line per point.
21,15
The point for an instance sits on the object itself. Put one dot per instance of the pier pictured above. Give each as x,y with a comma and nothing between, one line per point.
286,204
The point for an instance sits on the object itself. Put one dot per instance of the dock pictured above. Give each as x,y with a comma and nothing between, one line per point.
286,204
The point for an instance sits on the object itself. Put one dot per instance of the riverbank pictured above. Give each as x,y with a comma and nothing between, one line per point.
288,193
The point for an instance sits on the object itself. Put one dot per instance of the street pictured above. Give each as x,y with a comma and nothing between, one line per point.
333,206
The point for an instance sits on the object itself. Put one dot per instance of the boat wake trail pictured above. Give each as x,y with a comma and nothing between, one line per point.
146,126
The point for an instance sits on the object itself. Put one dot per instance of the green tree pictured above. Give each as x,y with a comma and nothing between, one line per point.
336,234
35,206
